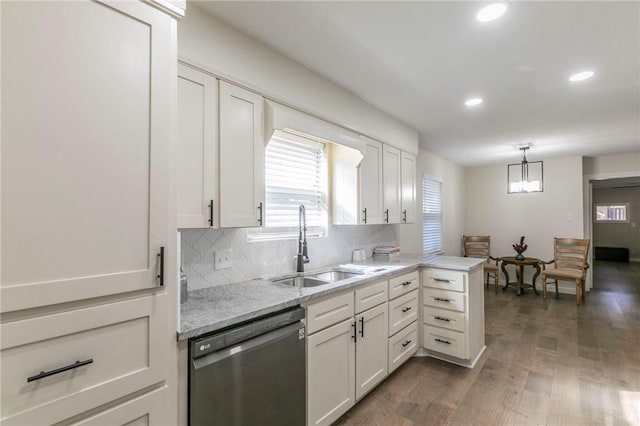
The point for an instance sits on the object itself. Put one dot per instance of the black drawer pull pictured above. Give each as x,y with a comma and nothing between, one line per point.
386,216
364,220
404,216
44,374
161,274
355,331
260,214
442,319
442,299
407,282
406,343
361,326
407,309
211,213
442,341
441,280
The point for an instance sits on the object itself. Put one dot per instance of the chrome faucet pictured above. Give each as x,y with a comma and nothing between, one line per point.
302,257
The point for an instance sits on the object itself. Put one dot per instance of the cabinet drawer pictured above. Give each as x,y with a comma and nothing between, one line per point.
123,341
403,311
403,284
445,341
145,410
328,312
402,346
444,318
444,279
371,295
443,299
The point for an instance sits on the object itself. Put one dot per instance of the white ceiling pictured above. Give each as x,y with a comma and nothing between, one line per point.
419,61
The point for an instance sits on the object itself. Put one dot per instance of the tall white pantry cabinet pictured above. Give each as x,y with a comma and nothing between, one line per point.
87,258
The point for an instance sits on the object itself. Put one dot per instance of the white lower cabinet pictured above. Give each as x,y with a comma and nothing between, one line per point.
330,373
453,315
348,359
402,341
57,366
371,349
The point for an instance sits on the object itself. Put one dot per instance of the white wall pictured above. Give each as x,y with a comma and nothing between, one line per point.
623,165
453,204
205,41
540,216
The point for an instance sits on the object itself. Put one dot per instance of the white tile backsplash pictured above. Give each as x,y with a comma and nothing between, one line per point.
267,258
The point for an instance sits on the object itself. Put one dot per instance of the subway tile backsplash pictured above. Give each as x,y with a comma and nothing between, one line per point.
258,259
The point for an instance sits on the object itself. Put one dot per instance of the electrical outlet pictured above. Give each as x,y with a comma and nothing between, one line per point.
223,259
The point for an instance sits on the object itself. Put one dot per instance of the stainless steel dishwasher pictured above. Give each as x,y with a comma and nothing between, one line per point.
251,374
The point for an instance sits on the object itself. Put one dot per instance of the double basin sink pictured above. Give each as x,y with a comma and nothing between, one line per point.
317,278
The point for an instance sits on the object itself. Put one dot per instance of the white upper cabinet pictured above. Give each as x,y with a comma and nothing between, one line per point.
197,149
242,150
408,188
86,128
391,189
370,184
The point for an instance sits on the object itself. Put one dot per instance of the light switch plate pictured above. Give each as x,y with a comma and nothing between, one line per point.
223,259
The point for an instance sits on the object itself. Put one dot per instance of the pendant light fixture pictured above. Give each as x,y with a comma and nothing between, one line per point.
525,176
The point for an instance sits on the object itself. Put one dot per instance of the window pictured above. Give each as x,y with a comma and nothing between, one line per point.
617,212
431,215
295,174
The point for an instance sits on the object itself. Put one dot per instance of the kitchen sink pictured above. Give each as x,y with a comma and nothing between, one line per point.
317,278
301,281
335,275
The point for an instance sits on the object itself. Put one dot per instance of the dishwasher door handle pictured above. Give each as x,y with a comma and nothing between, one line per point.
252,343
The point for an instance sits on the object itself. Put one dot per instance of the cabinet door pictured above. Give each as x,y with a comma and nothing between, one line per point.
391,178
370,184
86,127
408,188
330,373
242,148
371,349
197,148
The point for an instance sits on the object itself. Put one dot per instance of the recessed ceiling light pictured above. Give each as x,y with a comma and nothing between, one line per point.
473,102
491,12
581,76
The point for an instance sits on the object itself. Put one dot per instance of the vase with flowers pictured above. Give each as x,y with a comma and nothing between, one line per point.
520,248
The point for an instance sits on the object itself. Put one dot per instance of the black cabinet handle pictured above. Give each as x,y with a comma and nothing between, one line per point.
442,341
44,374
354,336
441,280
404,216
407,309
441,299
442,319
361,326
365,215
406,343
161,274
407,283
386,216
211,213
260,213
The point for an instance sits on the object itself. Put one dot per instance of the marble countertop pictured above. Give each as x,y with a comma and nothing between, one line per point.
217,307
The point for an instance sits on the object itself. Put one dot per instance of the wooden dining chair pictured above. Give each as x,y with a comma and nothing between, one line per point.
480,246
569,264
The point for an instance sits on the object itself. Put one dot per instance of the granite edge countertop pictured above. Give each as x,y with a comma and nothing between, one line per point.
218,307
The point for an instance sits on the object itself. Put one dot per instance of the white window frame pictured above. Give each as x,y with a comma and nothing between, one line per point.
609,205
317,213
431,213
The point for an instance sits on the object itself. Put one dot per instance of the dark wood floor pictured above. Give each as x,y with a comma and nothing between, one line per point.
546,363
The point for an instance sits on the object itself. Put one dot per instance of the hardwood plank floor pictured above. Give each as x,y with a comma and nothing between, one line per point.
546,363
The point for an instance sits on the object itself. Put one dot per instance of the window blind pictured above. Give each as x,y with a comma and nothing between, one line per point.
431,215
295,174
